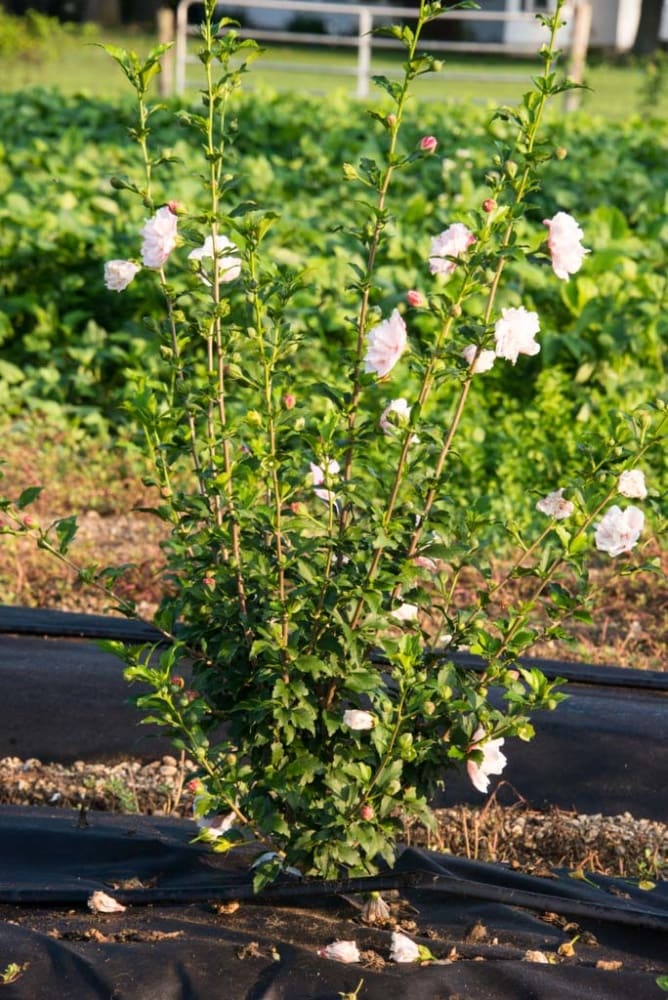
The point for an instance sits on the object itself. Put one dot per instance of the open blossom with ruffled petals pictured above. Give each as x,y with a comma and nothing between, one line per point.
396,414
631,484
452,242
216,826
355,718
564,244
482,363
229,266
159,234
619,530
405,612
100,902
555,506
493,761
119,273
403,949
514,333
341,951
386,343
318,477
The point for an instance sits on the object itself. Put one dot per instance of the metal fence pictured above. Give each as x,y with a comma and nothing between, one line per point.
363,19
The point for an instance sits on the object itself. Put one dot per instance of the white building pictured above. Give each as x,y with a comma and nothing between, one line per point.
614,23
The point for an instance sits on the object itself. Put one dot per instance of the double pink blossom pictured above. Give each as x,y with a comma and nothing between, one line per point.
619,530
477,360
514,333
555,506
386,343
493,761
159,234
358,720
564,244
119,273
631,484
453,242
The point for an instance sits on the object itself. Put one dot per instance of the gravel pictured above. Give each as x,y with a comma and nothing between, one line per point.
526,839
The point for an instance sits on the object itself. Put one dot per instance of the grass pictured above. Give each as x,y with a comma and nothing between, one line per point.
83,66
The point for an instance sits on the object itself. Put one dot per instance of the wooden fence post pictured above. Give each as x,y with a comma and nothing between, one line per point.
579,46
165,19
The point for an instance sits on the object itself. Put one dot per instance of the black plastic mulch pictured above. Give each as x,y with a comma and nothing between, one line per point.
170,942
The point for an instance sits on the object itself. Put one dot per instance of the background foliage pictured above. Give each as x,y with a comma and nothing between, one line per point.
67,344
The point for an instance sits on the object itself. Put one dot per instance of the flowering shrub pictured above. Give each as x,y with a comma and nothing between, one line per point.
316,556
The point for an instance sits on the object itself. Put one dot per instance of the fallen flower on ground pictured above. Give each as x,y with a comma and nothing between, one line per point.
100,902
341,951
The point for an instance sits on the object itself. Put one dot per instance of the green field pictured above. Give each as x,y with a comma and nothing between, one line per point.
82,66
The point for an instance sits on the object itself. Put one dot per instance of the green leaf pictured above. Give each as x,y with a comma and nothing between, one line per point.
28,496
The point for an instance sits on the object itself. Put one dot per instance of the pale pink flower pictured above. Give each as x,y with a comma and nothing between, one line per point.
619,530
555,506
405,612
452,242
631,484
356,719
118,274
341,951
229,267
216,826
375,910
424,562
482,363
100,902
493,761
564,244
318,477
428,143
514,333
387,342
159,234
396,414
403,949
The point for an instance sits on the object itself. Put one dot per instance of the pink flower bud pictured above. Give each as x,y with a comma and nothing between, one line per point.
367,813
416,299
174,207
488,205
428,143
289,401
194,785
209,581
29,522
178,682
191,695
391,120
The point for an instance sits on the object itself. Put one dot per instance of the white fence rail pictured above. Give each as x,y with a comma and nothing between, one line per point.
523,35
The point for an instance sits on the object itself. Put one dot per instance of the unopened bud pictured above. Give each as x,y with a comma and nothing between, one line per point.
428,143
367,813
29,522
455,310
174,207
289,401
391,120
209,581
415,299
178,682
429,708
561,152
488,205
511,168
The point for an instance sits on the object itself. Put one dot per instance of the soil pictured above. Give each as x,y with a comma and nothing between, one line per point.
516,835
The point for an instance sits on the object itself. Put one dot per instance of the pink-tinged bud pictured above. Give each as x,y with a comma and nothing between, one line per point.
209,581
561,152
428,143
391,120
174,207
289,401
297,507
29,522
191,695
488,205
367,813
194,785
415,299
178,682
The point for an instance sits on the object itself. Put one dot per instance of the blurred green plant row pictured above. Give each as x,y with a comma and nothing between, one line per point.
67,344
